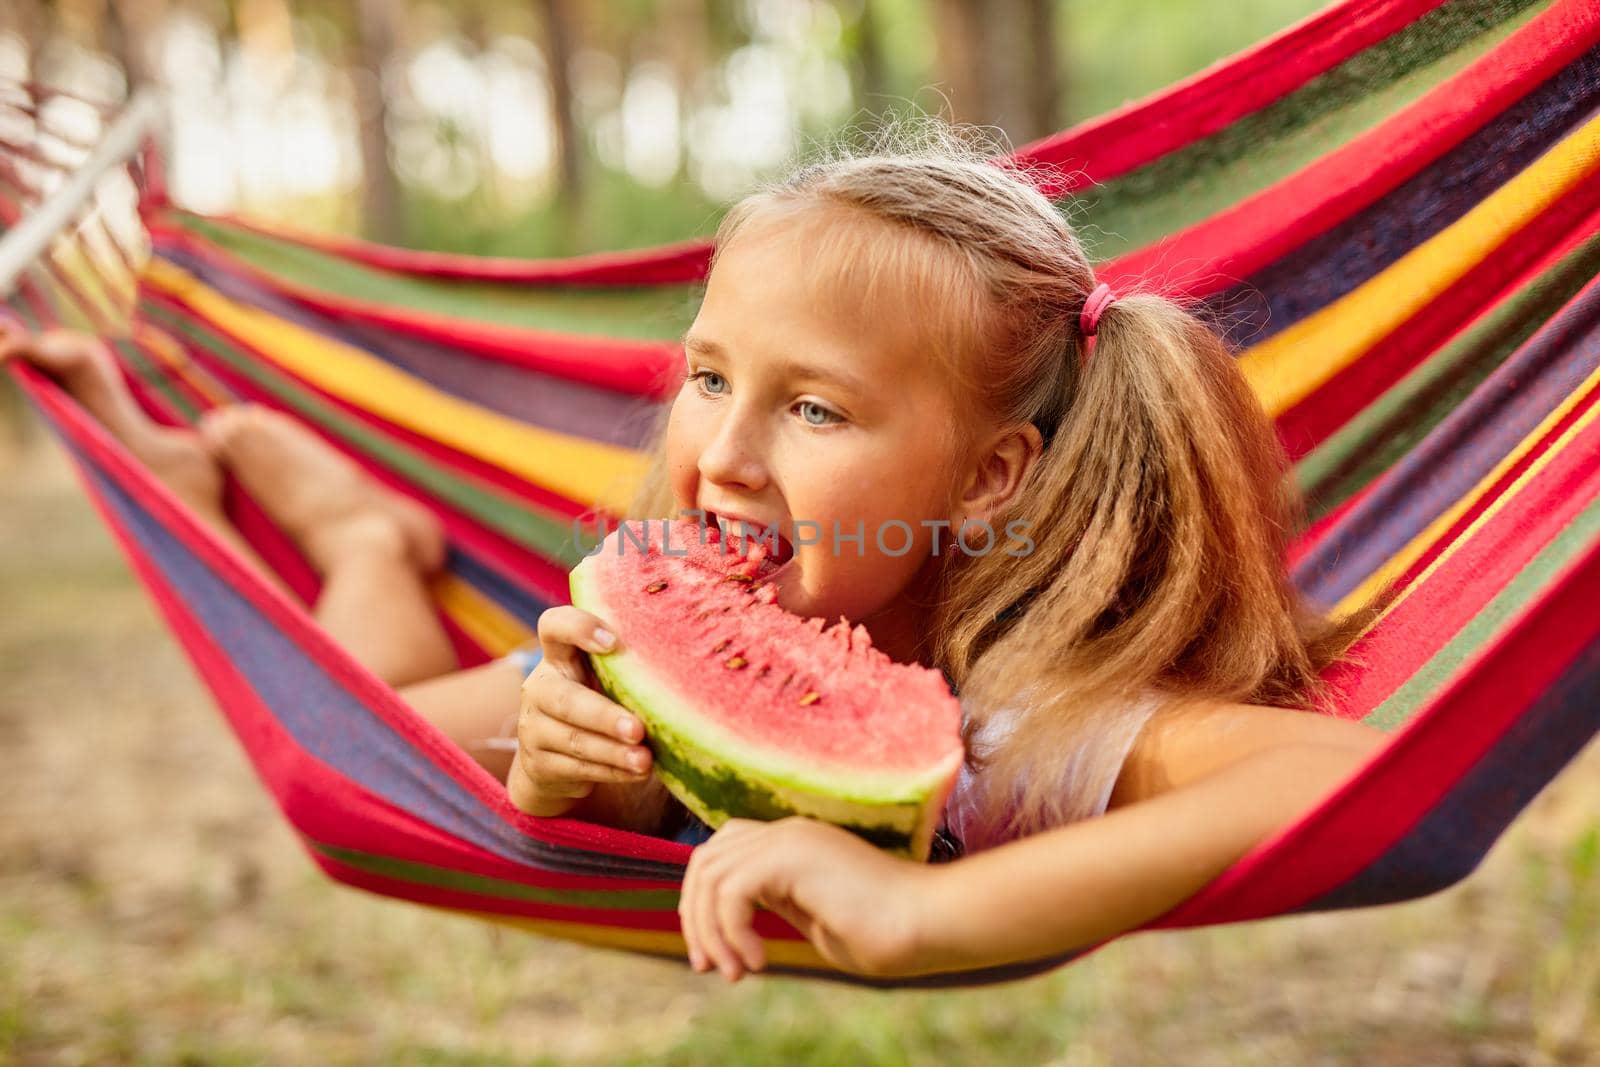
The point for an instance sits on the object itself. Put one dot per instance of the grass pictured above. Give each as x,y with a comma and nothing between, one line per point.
154,910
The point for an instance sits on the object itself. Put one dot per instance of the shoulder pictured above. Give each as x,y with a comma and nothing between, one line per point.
1085,772
1185,741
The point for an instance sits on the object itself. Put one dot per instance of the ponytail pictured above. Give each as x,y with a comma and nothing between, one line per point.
1161,510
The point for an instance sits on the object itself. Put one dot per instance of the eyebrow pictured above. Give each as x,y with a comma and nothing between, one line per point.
786,366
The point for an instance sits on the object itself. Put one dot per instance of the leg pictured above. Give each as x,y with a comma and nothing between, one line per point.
178,458
374,549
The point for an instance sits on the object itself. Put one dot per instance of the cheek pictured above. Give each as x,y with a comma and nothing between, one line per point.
683,450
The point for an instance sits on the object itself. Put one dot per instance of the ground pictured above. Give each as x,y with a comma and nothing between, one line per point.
154,909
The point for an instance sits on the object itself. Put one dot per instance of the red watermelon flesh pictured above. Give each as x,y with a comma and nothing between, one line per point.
755,711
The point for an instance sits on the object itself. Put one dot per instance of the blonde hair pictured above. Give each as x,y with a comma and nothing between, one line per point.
1161,509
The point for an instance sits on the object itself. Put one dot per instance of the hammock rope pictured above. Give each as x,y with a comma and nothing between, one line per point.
1392,210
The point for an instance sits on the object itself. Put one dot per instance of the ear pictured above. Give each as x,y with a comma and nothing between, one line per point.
999,469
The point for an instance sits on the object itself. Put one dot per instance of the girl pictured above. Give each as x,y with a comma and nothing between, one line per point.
914,337
917,335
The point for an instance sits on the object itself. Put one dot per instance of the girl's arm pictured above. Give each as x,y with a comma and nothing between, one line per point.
1211,784
1076,885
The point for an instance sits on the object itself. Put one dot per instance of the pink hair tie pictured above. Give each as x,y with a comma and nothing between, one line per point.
1095,306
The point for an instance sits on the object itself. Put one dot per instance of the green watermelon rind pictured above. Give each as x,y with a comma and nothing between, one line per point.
894,812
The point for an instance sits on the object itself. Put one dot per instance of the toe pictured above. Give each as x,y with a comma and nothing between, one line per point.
11,337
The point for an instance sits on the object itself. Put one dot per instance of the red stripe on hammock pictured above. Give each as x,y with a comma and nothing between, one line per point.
1274,222
664,921
1359,822
1454,595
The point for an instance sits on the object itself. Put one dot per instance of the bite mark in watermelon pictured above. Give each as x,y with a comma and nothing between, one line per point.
755,712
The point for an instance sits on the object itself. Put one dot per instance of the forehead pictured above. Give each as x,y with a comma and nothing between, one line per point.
808,276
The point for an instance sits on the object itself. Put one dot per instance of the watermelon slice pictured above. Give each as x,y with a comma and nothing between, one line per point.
755,712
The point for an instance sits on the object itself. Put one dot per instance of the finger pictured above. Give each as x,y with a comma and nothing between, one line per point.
557,772
736,914
686,911
709,930
575,628
577,705
552,735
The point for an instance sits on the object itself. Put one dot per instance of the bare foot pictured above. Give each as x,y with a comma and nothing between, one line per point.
323,500
84,367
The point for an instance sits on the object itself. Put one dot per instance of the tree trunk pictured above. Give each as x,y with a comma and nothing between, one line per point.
1044,82
998,63
556,21
959,28
380,188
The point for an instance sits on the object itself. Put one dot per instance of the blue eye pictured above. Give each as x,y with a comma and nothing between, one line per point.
829,417
702,376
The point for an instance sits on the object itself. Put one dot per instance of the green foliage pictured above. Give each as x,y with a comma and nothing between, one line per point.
1109,53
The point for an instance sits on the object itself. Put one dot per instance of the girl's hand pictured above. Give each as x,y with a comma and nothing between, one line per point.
570,737
862,908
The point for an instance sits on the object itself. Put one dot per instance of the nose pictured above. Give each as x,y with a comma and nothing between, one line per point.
734,452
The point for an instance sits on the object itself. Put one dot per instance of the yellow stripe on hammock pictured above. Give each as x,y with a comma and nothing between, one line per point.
1291,365
1436,529
587,472
495,629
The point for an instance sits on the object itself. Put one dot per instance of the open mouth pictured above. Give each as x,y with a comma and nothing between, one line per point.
747,537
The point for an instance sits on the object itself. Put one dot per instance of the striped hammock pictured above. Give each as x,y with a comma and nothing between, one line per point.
1393,208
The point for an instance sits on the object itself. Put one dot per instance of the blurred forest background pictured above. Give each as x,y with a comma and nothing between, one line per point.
155,909
548,127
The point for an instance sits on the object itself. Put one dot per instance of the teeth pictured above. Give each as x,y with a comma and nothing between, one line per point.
755,535
738,529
